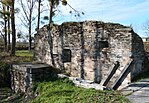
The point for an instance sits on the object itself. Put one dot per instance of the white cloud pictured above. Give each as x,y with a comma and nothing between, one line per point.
126,12
121,11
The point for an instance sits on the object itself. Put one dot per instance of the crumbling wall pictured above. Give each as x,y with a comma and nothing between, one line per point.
90,49
138,55
24,74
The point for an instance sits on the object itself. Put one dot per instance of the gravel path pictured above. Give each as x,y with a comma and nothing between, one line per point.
138,92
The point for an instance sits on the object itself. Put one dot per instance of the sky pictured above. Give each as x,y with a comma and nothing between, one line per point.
134,13
126,12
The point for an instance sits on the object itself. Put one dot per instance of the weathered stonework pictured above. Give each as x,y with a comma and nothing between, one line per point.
24,74
90,49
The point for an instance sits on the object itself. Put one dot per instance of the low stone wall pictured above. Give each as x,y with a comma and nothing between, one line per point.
24,74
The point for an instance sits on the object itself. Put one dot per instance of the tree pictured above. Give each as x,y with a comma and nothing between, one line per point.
12,12
27,16
53,5
8,29
4,22
146,27
5,15
5,26
39,6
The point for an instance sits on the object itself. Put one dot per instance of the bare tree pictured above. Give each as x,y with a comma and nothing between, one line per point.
146,27
53,6
27,16
39,6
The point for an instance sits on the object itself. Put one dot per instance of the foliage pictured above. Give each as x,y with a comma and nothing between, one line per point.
4,74
13,98
64,91
6,60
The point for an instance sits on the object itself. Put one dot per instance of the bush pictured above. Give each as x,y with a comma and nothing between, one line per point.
5,75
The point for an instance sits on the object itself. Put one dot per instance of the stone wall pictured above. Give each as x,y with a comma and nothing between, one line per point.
90,49
24,74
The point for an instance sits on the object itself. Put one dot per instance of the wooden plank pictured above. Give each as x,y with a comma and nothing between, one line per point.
123,75
111,73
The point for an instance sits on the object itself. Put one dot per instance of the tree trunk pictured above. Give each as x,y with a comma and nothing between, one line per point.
30,39
51,11
8,48
50,41
13,29
38,23
30,27
5,36
5,28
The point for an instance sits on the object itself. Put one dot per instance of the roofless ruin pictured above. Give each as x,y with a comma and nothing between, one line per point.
107,53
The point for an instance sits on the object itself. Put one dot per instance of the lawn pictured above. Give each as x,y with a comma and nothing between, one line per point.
24,53
21,56
64,91
59,90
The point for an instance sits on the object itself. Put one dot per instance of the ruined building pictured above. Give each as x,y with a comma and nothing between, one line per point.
92,50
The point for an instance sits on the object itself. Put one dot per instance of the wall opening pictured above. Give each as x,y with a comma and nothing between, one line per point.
66,55
103,44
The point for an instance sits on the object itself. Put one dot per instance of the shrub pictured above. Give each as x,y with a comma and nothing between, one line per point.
4,75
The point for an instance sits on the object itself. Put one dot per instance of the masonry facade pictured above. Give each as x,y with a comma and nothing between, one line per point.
90,49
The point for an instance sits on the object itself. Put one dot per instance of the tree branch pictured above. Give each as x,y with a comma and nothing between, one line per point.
24,10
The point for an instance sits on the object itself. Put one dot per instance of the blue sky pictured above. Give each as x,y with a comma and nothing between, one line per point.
126,12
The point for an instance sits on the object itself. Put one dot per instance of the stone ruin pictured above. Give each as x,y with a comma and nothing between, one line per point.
91,50
23,75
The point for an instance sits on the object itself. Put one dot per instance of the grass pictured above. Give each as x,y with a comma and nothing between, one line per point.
13,98
64,91
6,60
24,53
59,90
21,56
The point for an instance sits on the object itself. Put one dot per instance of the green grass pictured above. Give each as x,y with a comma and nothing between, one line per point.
27,56
24,53
21,56
64,91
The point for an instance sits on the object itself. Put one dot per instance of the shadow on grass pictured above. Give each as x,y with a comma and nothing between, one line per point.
14,98
6,96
